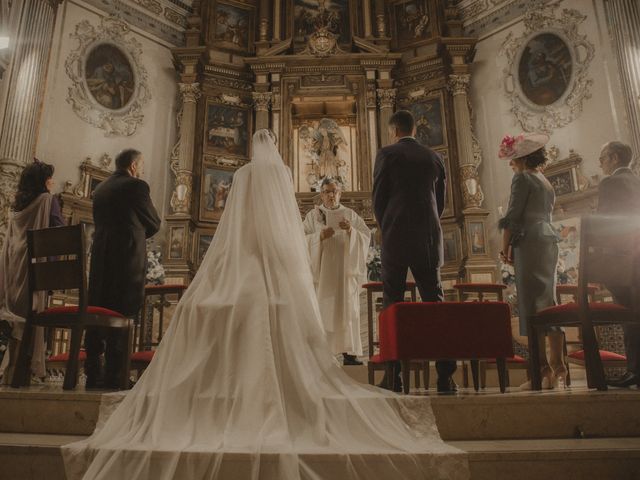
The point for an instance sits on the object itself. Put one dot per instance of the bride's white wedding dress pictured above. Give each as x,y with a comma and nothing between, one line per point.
244,385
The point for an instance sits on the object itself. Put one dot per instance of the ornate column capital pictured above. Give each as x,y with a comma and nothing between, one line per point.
386,97
261,101
459,84
190,92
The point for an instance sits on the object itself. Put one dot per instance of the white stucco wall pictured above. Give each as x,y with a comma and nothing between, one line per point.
603,117
65,140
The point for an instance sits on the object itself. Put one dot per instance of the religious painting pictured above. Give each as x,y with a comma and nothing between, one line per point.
232,26
477,238
448,203
412,22
569,250
562,183
545,69
429,116
204,242
109,76
176,243
324,148
216,183
312,16
227,129
451,241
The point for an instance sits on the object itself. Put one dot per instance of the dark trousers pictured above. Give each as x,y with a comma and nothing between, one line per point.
394,276
622,296
113,343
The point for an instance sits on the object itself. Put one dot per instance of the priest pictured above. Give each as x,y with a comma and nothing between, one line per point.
338,242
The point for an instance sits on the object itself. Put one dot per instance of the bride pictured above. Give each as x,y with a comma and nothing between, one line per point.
244,385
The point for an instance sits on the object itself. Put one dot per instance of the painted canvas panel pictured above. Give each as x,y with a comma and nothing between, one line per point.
176,243
216,184
412,22
227,129
429,116
232,27
204,242
109,76
545,69
450,244
477,237
312,15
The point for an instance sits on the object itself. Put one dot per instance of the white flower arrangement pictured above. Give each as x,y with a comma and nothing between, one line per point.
155,270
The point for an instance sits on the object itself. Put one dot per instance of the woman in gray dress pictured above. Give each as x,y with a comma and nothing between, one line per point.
530,243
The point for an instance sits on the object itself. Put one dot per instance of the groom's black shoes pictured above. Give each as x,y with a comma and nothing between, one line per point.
627,380
350,360
447,385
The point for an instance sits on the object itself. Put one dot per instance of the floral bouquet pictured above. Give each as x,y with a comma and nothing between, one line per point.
155,270
374,264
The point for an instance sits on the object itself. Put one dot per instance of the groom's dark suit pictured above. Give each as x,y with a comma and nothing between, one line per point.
124,218
408,199
619,194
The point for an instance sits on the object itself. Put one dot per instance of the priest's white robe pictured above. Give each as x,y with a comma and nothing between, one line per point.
339,266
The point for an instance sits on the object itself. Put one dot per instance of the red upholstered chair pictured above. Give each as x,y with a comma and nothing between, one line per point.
446,330
56,261
375,363
141,360
609,252
59,362
152,291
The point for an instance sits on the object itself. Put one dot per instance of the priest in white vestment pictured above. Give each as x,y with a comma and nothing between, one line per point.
338,242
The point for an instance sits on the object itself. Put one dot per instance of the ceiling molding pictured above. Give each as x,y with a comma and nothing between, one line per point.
480,17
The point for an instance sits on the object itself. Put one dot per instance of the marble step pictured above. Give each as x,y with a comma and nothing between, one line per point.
36,457
487,415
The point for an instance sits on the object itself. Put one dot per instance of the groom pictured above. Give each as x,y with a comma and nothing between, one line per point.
408,199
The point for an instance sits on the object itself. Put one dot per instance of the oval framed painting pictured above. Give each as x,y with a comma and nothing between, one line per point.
110,76
545,69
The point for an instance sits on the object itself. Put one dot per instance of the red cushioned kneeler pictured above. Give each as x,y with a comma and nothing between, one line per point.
436,330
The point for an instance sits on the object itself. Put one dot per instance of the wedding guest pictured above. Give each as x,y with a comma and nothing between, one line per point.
34,208
338,242
408,200
124,218
530,243
619,194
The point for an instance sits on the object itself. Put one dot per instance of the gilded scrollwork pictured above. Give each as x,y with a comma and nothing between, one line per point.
541,19
121,118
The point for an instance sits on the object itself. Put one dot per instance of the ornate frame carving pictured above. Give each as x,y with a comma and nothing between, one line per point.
113,31
541,18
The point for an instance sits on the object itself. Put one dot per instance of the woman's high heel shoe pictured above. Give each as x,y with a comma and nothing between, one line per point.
547,380
560,377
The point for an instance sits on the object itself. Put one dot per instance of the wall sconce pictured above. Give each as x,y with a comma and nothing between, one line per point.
4,43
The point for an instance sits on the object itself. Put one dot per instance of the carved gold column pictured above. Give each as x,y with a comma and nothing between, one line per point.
261,104
386,103
479,265
623,17
183,166
21,112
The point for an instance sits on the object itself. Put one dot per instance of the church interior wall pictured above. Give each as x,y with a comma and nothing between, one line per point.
602,119
65,139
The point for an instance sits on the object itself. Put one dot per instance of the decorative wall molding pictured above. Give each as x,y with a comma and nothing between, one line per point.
165,19
112,30
482,16
540,19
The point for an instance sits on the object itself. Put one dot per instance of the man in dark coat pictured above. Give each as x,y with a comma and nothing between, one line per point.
124,218
619,194
408,199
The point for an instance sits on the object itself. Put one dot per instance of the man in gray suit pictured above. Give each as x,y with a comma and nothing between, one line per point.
619,194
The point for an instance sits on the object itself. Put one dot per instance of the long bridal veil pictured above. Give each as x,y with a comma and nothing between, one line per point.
244,386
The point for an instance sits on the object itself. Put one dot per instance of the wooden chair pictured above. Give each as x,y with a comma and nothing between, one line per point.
56,261
150,291
474,330
374,362
609,253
